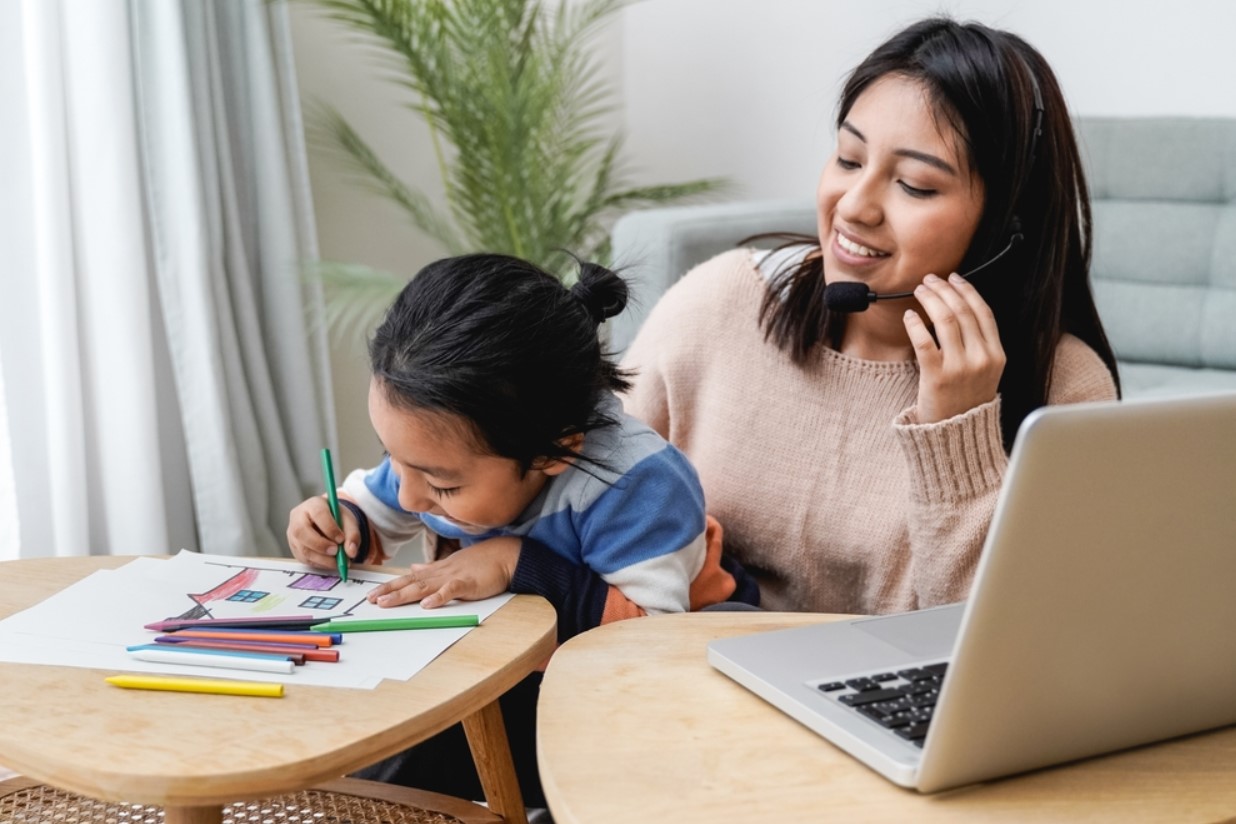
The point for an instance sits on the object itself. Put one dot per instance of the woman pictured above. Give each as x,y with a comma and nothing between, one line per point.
854,457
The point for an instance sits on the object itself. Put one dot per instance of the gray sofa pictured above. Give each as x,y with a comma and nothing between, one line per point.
1164,269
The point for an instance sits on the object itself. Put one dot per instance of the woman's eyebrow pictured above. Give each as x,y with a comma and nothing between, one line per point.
913,154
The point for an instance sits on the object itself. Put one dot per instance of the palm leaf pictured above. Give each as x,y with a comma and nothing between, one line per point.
356,296
376,174
664,193
515,105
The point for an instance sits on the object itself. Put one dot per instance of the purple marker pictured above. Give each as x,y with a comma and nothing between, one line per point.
289,622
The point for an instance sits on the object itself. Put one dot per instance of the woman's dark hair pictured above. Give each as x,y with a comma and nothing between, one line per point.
983,82
504,346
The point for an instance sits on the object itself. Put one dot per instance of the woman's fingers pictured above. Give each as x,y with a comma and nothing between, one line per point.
925,348
951,314
961,363
964,325
983,315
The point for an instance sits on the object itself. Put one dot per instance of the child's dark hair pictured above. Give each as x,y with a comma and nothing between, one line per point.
503,345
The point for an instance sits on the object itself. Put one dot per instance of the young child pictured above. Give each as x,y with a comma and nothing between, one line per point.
496,408
497,412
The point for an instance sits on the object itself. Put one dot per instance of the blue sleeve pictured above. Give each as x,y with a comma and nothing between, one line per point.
654,510
648,516
384,484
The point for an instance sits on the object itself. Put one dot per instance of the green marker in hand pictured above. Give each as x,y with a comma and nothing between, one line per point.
328,474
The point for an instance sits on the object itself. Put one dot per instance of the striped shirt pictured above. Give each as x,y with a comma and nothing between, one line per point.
618,534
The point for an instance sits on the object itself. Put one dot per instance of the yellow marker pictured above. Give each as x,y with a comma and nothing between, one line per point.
160,682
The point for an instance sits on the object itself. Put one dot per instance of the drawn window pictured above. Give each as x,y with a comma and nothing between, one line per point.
248,596
320,602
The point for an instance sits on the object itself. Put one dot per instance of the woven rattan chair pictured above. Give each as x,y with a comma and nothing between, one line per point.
344,801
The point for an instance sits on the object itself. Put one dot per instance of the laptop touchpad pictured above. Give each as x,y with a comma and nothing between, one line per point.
928,633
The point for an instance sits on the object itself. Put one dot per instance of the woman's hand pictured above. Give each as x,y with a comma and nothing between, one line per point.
960,367
480,571
313,535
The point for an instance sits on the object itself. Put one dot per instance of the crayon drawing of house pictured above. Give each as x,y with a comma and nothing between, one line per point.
252,590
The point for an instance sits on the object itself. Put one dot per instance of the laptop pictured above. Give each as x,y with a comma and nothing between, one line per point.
1102,613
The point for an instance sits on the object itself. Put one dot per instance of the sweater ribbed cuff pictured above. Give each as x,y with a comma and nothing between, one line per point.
362,520
955,459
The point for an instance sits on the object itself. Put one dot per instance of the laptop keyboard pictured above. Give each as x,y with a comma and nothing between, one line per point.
902,701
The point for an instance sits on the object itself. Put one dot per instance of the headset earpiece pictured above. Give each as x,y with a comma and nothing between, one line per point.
1015,233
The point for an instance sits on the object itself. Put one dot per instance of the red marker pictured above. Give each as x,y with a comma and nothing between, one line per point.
301,651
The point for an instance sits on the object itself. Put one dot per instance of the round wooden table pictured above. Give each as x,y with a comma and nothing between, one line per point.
634,725
193,753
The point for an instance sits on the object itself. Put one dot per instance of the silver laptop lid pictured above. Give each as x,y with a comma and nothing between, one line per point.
1103,612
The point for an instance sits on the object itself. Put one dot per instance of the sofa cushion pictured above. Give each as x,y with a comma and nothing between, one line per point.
1143,380
1164,270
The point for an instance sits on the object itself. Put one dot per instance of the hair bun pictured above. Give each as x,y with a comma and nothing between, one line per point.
602,292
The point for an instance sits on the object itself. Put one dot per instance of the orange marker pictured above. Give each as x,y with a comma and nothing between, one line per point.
314,639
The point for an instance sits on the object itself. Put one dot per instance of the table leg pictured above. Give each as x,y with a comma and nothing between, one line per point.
193,815
492,754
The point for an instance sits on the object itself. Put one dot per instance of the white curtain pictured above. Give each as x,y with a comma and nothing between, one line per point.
163,376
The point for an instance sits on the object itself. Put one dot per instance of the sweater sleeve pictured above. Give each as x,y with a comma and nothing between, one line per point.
578,594
646,547
583,599
391,527
640,543
956,468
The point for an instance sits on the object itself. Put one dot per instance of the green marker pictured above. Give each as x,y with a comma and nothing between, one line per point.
378,624
328,474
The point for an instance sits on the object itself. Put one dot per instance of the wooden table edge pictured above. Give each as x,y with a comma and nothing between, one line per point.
195,798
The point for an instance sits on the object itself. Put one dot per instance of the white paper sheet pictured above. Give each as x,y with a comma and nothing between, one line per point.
90,623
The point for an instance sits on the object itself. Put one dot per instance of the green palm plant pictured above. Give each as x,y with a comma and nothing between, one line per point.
513,100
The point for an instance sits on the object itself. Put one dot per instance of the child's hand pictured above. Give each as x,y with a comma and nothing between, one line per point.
313,534
480,571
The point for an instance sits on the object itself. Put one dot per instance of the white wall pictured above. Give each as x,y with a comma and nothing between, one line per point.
355,224
746,89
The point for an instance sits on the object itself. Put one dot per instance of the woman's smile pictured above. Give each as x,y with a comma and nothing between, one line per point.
850,251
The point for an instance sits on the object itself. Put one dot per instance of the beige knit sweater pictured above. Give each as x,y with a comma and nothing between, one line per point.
828,490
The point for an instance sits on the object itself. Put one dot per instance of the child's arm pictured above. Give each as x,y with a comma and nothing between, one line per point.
644,543
646,548
581,597
373,498
584,599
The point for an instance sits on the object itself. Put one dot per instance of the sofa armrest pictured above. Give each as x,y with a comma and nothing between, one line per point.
655,247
